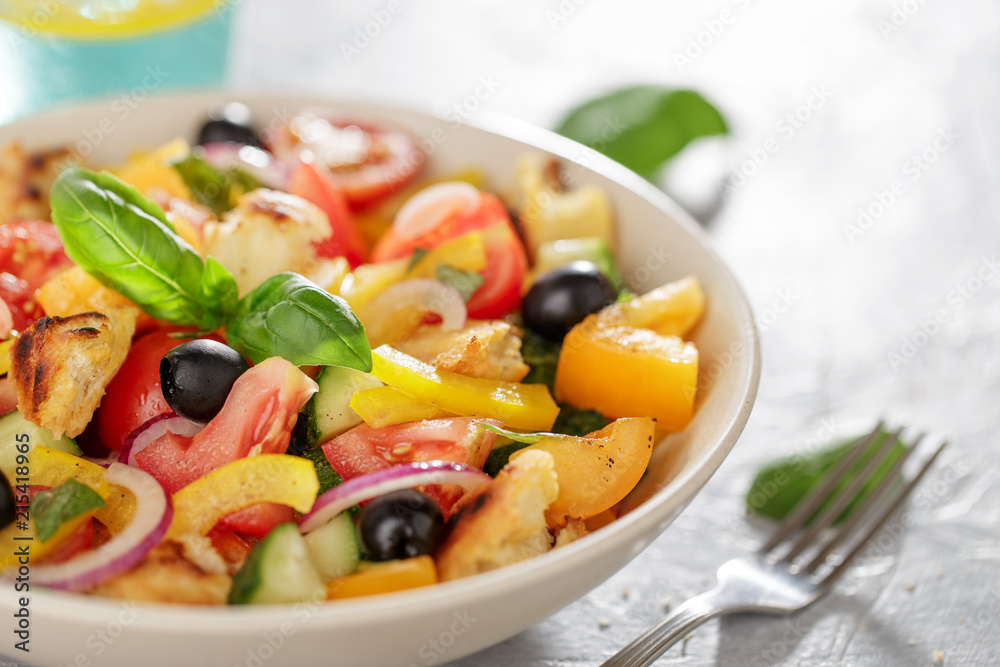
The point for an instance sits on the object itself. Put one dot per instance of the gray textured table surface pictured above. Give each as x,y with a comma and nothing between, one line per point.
867,240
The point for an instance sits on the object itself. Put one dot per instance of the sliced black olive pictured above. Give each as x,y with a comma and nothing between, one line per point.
561,298
229,122
196,377
401,524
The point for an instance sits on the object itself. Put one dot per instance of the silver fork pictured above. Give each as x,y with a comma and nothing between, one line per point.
782,583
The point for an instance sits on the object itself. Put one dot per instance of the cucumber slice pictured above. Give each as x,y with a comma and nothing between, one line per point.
334,547
278,570
328,413
553,254
13,424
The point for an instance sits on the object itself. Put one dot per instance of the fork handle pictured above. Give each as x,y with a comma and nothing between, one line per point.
645,649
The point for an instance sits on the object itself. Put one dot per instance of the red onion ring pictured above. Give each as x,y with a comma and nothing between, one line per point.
428,208
153,514
255,161
381,482
422,294
154,428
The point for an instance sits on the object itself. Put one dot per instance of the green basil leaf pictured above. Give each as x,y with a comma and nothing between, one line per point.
289,316
780,485
643,127
542,357
218,190
124,240
464,282
516,436
418,254
52,508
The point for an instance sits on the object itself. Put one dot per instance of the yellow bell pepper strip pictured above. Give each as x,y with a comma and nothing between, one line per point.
528,407
266,478
385,406
466,252
50,467
387,577
5,348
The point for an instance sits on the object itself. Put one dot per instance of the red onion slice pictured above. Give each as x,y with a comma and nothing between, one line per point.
379,483
153,514
153,428
257,162
425,210
422,294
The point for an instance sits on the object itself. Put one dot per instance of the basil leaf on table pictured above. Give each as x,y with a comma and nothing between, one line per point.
51,508
289,316
644,126
125,241
779,486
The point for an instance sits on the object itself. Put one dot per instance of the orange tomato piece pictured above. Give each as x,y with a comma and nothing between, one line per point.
396,575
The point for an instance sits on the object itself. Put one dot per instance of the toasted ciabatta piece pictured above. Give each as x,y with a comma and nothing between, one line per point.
166,574
267,233
501,522
61,366
26,178
482,349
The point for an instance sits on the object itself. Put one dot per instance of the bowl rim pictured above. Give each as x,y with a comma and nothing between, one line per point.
643,519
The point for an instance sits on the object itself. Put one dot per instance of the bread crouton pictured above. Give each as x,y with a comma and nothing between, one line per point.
502,522
482,349
25,181
61,366
267,233
166,575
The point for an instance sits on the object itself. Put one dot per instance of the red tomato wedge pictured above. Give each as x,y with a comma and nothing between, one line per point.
315,184
133,397
367,162
506,261
31,252
364,449
258,415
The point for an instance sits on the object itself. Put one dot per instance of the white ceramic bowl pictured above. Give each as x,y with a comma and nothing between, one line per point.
656,241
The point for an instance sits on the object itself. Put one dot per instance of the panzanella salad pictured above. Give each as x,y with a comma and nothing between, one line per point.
270,369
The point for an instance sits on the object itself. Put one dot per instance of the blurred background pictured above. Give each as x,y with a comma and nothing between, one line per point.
856,198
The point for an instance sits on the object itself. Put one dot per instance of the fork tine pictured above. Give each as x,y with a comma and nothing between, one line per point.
843,499
887,513
808,505
859,514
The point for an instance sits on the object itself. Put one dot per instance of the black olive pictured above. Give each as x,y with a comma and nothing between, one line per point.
196,377
7,505
561,298
229,122
401,524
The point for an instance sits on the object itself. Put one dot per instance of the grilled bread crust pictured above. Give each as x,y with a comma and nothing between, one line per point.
166,574
61,365
482,349
25,181
501,522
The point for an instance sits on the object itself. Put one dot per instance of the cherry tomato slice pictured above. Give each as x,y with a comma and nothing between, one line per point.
31,252
367,162
134,396
315,184
506,262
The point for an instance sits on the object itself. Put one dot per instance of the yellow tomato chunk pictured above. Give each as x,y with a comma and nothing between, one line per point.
596,471
669,310
623,371
396,575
